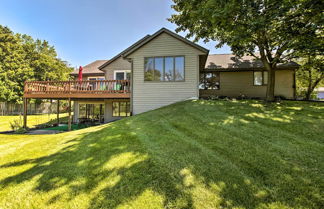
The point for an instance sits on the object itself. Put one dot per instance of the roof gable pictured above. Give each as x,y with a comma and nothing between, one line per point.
147,39
164,30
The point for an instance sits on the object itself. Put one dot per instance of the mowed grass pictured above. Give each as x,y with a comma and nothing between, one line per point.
193,154
32,120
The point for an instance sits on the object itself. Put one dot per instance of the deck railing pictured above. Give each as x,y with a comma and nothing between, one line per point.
77,87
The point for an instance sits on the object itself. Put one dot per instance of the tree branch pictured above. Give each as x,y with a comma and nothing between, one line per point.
280,51
318,80
253,55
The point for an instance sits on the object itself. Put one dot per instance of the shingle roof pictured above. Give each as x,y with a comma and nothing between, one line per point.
91,68
231,62
147,39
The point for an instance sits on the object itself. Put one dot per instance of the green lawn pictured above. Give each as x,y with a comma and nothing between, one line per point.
32,120
194,154
64,127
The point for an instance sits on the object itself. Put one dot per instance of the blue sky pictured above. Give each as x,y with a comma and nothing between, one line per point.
86,30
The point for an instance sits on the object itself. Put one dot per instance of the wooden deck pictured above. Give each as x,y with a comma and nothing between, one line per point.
77,89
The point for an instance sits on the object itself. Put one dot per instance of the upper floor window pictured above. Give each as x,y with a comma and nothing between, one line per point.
260,78
96,85
164,68
122,75
96,78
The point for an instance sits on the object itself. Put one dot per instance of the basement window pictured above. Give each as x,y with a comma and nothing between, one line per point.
121,109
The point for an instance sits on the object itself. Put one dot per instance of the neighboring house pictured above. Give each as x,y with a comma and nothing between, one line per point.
320,92
91,71
225,75
162,69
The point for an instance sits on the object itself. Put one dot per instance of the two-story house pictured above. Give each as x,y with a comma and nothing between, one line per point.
161,69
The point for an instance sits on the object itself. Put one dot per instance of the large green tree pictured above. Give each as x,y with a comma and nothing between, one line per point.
14,68
22,58
310,75
270,30
44,61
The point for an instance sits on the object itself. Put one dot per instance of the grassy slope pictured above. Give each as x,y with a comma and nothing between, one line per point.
195,154
32,120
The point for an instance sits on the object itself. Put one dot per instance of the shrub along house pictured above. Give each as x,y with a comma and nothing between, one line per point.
159,70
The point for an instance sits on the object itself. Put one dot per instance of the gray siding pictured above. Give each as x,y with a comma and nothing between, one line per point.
234,84
118,64
109,112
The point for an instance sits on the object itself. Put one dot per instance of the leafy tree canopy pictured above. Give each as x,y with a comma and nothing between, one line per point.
270,30
309,76
22,58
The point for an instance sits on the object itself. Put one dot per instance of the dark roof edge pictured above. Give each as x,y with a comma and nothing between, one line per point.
170,33
121,53
85,73
248,69
92,63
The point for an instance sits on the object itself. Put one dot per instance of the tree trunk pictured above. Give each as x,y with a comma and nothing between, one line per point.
311,87
308,94
270,96
270,67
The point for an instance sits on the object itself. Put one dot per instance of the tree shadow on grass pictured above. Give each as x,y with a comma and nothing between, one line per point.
222,154
253,153
110,162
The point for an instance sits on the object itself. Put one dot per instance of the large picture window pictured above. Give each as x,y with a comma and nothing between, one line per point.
209,80
164,68
121,109
260,78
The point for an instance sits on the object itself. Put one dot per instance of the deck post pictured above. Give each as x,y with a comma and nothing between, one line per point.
25,113
86,110
93,114
58,112
100,112
69,120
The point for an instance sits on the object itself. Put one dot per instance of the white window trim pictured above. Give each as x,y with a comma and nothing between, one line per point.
96,77
262,77
121,71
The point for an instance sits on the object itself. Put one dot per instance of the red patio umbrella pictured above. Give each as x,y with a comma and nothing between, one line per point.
80,73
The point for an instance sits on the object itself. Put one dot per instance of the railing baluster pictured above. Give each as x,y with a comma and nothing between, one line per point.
86,87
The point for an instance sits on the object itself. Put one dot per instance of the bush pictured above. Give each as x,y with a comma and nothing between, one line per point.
21,131
280,98
17,125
